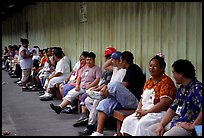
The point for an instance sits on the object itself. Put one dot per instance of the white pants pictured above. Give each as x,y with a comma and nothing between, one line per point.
72,94
56,80
91,105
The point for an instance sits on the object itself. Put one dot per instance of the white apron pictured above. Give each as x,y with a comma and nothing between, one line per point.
137,127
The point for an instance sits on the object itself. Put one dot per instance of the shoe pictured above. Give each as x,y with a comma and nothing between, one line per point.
66,110
20,84
25,89
46,94
16,81
69,109
82,122
117,134
94,94
87,131
10,73
41,93
30,83
96,134
13,76
46,97
81,118
3,67
37,88
57,109
31,87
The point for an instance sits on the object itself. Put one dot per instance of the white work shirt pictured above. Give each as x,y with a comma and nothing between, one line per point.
63,67
27,62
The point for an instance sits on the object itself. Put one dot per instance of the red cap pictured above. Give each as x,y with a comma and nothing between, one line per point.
109,50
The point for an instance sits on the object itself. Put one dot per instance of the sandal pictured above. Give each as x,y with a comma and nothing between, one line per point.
117,134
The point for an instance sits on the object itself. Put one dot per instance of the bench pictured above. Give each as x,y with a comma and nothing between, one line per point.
120,116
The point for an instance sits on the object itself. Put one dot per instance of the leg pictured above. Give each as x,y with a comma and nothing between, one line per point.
38,81
64,103
91,105
129,125
70,97
118,126
101,121
92,110
59,108
83,120
60,90
25,77
145,121
121,94
105,109
177,131
151,129
83,107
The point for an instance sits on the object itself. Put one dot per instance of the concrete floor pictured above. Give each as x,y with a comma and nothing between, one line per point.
23,114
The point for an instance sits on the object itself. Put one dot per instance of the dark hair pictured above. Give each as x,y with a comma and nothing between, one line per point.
127,56
16,47
161,61
24,41
91,55
108,56
84,53
58,52
36,47
41,50
185,67
59,48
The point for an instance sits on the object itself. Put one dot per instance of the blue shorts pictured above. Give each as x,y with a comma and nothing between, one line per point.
66,88
107,106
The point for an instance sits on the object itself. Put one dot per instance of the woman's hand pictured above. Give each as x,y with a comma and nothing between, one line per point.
140,113
160,130
186,125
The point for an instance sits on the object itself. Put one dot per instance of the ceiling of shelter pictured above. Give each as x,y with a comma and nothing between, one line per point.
8,8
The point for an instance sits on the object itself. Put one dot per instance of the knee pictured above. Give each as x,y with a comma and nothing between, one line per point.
113,84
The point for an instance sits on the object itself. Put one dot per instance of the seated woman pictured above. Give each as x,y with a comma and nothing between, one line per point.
158,94
90,103
70,82
89,76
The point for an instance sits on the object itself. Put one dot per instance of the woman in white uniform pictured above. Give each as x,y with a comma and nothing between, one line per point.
158,94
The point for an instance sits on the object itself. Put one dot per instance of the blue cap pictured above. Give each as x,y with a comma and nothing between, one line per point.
116,55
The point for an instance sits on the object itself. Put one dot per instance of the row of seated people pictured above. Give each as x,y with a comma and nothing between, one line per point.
43,63
11,63
124,89
122,85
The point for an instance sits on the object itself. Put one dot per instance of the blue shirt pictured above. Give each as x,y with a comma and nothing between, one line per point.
188,97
